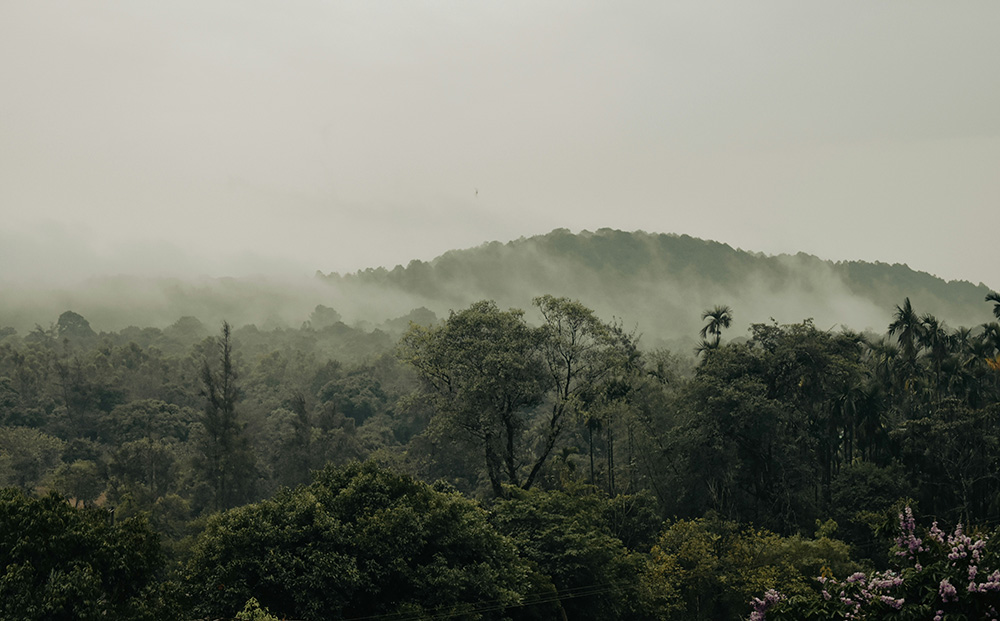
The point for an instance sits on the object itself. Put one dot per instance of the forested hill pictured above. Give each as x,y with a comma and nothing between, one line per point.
661,282
658,284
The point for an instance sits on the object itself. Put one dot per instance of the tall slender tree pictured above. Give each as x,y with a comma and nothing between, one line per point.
228,463
933,336
906,324
720,317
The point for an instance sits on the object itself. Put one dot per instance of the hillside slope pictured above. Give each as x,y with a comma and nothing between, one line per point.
661,283
656,283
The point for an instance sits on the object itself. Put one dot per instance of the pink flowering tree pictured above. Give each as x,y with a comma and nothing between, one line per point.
936,577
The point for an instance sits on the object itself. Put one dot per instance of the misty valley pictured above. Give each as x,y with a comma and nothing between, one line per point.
604,425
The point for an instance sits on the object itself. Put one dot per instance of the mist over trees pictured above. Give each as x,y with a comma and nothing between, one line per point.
658,282
662,282
496,462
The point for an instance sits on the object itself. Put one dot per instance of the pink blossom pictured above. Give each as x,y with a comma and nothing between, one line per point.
761,606
947,591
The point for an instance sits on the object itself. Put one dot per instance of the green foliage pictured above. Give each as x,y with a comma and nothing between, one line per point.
767,424
492,378
719,318
777,431
252,611
357,395
144,470
863,493
941,576
485,373
360,541
150,419
80,480
74,327
27,456
709,569
11,405
570,541
323,317
954,455
57,562
227,462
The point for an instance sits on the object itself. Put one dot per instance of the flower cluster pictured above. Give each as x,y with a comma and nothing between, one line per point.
907,541
761,606
936,533
961,578
947,591
992,582
860,590
962,546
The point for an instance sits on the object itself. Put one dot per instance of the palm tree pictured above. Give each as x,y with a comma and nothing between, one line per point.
934,337
991,334
994,297
969,357
883,359
906,322
960,339
719,318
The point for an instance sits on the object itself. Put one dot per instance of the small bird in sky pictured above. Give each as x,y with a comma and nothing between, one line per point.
477,192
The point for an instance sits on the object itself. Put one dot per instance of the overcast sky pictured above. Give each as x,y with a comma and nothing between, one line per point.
232,137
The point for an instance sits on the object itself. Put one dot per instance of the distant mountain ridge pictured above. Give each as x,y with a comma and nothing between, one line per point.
661,282
656,283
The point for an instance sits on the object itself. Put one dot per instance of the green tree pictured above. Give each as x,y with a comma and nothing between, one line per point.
935,339
74,327
359,542
907,328
710,568
934,575
27,456
323,317
253,612
57,562
485,374
719,318
227,462
80,481
994,297
951,455
12,410
493,378
588,362
764,426
150,419
144,469
583,570
861,493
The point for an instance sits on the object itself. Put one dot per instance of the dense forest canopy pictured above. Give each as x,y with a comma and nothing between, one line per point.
493,462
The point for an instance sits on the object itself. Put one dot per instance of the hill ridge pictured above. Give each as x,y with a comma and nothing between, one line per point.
631,273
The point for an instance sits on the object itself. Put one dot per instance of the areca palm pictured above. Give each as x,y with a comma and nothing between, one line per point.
991,335
934,337
719,318
994,297
972,350
960,339
907,324
871,419
883,359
